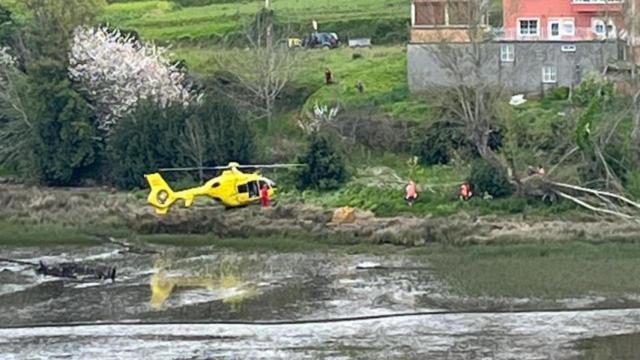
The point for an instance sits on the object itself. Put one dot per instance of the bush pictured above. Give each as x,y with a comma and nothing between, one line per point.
559,93
435,144
325,168
591,88
489,178
375,131
152,137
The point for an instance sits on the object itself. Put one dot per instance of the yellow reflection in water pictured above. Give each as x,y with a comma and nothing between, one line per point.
162,286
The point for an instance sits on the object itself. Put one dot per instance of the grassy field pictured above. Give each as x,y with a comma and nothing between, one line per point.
16,234
166,21
381,69
549,271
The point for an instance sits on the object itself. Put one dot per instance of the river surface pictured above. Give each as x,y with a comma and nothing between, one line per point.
207,304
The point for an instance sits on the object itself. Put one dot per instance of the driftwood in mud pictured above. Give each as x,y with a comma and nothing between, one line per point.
77,271
70,270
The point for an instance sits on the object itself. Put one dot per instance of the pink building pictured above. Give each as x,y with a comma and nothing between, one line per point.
563,20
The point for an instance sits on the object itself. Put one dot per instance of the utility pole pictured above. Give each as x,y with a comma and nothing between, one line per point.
635,42
267,6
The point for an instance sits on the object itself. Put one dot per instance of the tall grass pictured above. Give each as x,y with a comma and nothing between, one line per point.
549,271
17,234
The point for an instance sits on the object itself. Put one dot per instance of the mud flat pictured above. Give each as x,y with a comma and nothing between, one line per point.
201,303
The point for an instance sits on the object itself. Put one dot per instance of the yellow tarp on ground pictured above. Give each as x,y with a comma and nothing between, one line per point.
344,215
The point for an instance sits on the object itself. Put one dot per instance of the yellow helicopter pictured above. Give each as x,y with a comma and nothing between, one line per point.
233,188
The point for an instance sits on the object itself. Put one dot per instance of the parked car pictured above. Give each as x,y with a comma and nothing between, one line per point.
321,40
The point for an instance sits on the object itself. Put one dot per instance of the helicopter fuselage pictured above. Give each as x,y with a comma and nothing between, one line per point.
232,188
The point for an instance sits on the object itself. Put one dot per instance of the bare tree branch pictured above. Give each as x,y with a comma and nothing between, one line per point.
264,68
593,208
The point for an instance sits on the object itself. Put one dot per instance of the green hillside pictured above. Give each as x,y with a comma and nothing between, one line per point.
166,20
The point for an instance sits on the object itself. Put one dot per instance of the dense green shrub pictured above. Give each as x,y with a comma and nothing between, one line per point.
8,27
325,168
591,88
434,144
64,145
559,93
152,137
535,128
437,142
366,126
489,178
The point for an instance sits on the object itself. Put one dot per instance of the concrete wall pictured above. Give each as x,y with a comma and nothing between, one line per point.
523,75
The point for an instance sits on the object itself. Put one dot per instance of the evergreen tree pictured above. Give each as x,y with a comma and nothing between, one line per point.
325,168
153,137
64,145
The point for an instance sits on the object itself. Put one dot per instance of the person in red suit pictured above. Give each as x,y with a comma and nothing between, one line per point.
264,196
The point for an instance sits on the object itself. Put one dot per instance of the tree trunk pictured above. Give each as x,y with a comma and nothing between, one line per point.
269,109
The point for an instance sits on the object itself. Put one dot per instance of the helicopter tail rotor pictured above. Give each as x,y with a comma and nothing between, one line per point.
161,195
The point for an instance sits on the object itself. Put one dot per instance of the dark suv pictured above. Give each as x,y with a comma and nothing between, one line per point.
321,40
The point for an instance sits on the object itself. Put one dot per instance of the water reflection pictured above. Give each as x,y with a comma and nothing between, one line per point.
199,279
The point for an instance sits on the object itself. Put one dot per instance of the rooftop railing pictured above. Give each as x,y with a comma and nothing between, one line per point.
579,34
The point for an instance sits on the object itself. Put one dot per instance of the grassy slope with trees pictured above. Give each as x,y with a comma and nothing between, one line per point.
532,130
531,134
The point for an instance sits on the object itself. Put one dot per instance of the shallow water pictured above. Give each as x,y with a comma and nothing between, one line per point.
199,285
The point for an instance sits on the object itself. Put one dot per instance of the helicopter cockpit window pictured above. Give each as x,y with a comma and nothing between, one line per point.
253,189
243,188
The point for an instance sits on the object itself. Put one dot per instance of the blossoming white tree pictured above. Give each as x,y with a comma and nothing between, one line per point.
117,71
322,116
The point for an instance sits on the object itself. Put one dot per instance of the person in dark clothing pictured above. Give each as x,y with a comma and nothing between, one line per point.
360,86
328,76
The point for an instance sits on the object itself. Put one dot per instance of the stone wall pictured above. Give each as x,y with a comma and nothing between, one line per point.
522,75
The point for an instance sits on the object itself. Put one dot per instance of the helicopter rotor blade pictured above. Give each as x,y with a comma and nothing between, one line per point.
196,168
270,166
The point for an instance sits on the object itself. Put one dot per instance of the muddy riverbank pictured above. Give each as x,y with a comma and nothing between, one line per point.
97,211
182,303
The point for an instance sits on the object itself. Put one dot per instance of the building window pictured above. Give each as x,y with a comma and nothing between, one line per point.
555,29
599,27
549,75
429,13
461,12
507,53
528,27
568,27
